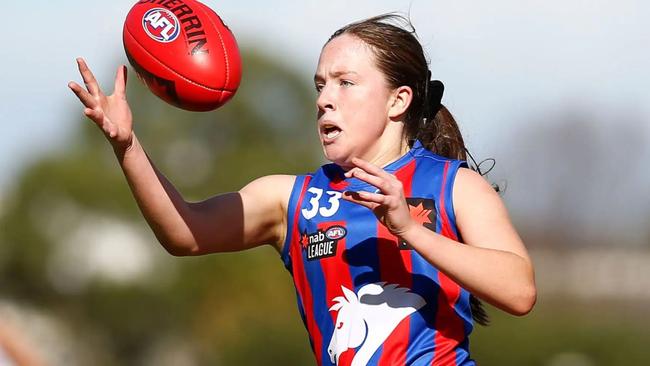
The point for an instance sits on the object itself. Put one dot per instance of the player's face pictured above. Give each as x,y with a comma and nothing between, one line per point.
353,102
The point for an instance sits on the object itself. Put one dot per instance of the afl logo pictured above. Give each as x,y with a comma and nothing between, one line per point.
161,25
335,233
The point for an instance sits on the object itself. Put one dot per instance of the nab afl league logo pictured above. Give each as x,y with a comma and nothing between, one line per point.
161,25
322,244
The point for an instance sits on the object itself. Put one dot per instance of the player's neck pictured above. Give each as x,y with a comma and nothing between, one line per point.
389,153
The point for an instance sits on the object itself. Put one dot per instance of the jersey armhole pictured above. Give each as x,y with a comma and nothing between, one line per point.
449,201
291,210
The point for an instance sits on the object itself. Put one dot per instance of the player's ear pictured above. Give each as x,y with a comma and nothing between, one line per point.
400,101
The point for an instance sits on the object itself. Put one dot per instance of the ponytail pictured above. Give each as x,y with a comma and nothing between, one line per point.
442,135
435,127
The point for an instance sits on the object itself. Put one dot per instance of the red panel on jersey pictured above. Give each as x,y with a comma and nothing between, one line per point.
337,273
450,329
301,281
396,268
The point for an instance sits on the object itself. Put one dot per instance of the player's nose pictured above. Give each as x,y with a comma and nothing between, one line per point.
325,100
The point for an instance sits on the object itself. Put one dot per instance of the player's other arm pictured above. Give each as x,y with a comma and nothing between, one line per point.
253,216
494,265
499,269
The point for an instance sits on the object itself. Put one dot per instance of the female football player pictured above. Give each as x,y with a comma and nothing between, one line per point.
391,244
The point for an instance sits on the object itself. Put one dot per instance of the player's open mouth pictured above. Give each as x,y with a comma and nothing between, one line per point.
331,132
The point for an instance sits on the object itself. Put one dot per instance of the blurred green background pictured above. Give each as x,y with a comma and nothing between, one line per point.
83,280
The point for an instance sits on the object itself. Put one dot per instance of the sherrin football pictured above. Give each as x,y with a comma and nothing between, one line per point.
183,52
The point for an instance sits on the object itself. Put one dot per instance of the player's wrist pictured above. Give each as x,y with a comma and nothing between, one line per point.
417,233
407,230
125,148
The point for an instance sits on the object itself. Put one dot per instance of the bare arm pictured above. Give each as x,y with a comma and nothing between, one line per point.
494,265
232,221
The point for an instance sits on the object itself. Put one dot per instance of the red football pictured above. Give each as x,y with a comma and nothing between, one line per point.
183,52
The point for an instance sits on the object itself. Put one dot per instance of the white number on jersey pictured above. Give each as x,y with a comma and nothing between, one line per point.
314,202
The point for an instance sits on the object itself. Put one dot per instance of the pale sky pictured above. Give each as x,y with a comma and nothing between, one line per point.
502,61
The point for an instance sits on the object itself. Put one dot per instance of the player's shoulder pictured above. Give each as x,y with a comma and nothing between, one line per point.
273,182
282,179
471,188
470,178
276,186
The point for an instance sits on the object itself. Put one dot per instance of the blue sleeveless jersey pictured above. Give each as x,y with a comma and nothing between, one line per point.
367,298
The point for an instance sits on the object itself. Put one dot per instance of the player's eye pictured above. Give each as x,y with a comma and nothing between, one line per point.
318,87
346,83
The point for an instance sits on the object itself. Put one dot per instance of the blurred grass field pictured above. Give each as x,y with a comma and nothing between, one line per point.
566,332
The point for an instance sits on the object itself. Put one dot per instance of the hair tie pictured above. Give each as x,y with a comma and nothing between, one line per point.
433,97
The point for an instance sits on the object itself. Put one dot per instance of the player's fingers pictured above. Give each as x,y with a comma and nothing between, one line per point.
355,197
370,168
349,173
378,177
96,115
120,82
369,197
85,97
88,77
376,181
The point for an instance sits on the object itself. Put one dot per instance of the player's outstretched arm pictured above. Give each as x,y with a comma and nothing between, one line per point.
232,221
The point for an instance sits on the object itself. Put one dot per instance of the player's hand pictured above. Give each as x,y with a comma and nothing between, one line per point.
388,203
110,113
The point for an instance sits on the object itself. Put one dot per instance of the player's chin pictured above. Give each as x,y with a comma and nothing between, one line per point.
337,155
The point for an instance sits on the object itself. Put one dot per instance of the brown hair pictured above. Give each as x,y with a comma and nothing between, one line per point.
400,57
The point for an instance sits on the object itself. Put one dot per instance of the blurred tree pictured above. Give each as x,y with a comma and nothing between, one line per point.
75,244
575,182
576,177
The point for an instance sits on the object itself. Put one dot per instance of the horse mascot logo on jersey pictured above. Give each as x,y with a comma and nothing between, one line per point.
367,319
